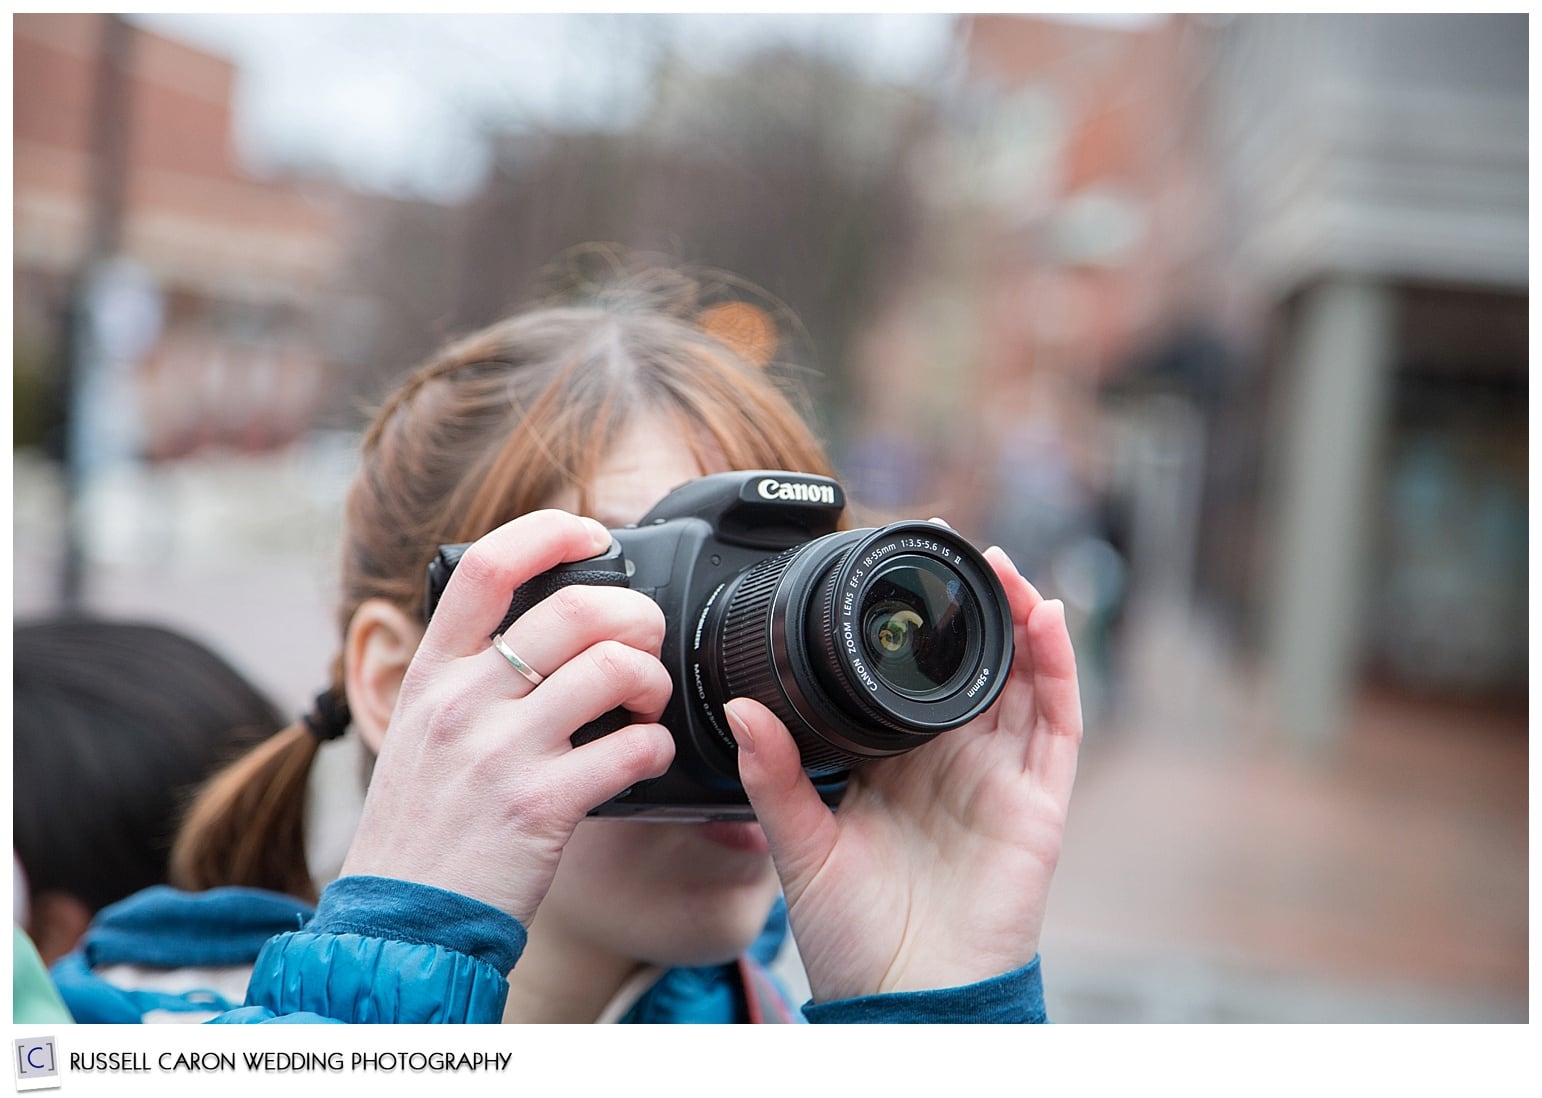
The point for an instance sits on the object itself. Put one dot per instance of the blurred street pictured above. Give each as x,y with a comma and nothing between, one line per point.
236,553
1210,876
1207,876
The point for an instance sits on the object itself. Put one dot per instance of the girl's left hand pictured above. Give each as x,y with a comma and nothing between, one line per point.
935,870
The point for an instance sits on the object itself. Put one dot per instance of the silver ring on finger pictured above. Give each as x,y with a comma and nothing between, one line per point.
535,677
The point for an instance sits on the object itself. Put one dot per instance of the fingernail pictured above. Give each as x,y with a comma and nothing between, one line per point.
740,728
1012,564
600,534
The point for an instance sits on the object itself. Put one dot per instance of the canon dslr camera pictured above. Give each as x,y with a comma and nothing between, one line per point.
866,643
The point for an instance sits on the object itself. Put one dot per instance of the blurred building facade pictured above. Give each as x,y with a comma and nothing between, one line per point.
126,186
1375,173
1244,306
1068,185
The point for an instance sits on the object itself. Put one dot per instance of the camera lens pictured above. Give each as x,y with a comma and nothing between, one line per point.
866,643
915,626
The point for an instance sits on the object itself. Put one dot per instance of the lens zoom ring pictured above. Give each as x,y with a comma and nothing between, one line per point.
749,669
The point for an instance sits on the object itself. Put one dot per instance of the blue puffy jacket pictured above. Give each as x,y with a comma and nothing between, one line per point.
379,950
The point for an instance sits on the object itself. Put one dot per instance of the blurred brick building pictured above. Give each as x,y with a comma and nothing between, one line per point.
1068,190
123,151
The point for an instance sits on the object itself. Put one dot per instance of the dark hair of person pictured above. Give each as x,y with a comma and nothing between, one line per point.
115,725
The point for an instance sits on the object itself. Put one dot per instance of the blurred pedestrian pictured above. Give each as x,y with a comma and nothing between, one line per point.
33,995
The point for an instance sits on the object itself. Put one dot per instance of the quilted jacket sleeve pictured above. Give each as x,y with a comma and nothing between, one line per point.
381,950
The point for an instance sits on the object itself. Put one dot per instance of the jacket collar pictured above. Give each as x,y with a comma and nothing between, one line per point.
165,927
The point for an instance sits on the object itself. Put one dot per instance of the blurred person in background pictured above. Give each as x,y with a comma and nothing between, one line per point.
33,995
116,724
453,876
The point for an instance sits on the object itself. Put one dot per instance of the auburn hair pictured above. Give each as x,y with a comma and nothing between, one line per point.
494,426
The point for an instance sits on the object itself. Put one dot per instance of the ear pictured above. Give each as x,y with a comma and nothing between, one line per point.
380,644
56,922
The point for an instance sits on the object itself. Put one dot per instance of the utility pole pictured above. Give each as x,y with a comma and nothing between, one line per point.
79,353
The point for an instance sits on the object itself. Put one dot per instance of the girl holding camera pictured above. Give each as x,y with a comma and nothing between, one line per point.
455,875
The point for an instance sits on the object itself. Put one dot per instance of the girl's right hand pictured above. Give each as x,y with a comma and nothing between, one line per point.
478,788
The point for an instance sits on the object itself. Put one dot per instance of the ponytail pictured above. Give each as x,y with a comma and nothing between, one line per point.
247,824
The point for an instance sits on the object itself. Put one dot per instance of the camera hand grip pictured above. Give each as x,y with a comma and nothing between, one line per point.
594,573
606,570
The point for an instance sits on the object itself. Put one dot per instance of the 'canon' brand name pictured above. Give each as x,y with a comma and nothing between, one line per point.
792,489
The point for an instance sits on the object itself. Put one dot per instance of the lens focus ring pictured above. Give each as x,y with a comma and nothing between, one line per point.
750,666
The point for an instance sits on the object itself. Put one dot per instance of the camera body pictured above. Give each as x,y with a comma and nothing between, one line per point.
866,643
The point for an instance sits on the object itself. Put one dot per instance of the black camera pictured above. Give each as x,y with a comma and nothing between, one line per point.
866,643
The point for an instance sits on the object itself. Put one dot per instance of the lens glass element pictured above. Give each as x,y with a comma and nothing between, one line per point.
916,617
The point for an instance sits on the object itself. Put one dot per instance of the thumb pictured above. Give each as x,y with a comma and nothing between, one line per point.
799,825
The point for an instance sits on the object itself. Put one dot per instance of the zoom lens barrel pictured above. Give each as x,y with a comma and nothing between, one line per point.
866,643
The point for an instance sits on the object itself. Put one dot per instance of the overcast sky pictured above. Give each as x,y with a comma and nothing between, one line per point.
399,102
